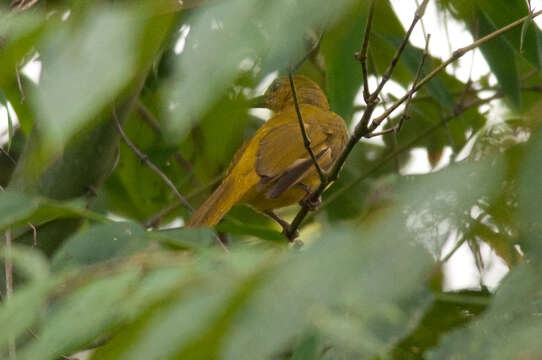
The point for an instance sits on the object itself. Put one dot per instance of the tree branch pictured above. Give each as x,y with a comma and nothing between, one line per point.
363,131
360,131
460,109
154,219
306,140
362,54
457,54
405,115
387,75
153,123
145,159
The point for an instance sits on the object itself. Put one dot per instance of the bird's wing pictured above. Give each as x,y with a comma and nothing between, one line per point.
282,158
294,174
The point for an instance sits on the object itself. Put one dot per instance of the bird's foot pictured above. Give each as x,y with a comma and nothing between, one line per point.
311,203
286,227
308,201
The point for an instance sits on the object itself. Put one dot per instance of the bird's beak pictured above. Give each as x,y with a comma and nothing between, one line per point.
258,102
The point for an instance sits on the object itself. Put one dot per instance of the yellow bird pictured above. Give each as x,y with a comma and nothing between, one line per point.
273,169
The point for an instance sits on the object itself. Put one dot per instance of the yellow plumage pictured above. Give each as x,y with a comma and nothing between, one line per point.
273,169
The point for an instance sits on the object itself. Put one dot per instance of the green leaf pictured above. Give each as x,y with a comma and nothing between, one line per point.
502,13
19,37
134,190
530,198
306,290
380,52
163,336
449,311
243,220
86,68
234,226
184,237
100,243
21,311
191,323
347,198
81,317
308,349
510,328
17,209
27,261
275,38
502,66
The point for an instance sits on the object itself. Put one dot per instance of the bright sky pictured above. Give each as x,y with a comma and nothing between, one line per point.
460,270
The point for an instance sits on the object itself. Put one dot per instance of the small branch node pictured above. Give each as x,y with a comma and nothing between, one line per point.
420,11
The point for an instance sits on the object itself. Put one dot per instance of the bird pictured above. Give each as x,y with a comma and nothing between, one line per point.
273,169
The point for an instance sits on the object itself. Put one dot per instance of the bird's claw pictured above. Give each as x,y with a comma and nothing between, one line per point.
311,203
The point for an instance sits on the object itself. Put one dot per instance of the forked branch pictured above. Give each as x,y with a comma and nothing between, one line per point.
365,130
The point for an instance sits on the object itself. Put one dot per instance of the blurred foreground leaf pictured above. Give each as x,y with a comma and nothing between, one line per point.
85,69
17,209
510,329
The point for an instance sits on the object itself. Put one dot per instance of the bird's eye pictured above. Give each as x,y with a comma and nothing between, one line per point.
275,85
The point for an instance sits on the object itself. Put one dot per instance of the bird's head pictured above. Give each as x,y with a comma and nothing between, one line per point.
279,94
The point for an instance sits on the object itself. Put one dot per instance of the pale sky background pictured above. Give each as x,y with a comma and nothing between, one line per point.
460,270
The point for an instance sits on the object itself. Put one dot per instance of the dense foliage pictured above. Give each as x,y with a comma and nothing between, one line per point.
93,237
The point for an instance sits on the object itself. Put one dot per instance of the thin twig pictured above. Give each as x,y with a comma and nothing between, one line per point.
34,235
154,219
392,155
424,97
406,115
151,120
362,54
306,140
6,154
380,133
395,129
421,22
409,145
19,83
458,244
145,159
310,53
360,131
387,75
148,117
455,56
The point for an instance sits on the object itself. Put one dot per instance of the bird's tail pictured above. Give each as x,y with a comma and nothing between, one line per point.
218,204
